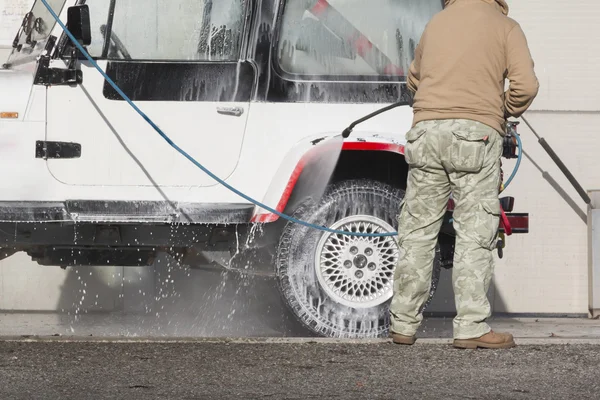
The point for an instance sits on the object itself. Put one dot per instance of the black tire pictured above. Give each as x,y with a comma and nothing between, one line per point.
295,259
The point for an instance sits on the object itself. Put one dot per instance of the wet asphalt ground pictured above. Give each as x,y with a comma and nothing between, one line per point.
141,357
294,370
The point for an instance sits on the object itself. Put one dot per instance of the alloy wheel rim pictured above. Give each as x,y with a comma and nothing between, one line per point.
357,271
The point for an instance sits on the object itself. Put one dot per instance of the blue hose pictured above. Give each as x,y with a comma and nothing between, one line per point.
514,173
203,168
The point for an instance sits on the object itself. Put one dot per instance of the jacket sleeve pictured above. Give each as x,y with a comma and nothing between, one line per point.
524,84
414,72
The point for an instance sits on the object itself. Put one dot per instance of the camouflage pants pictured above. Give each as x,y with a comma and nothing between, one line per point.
461,157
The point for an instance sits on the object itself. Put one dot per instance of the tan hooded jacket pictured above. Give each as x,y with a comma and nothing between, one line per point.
463,58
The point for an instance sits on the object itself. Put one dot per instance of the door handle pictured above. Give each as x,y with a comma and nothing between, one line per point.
234,111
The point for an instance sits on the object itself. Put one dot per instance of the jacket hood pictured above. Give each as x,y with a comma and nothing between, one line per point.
499,4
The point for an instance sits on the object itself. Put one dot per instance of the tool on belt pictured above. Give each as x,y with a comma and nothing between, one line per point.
510,145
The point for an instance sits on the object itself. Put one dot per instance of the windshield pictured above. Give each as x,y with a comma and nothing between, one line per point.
352,37
33,33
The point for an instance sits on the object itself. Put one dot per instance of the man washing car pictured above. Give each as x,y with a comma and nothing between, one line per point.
465,54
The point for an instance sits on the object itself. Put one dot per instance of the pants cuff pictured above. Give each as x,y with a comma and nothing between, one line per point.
403,330
472,331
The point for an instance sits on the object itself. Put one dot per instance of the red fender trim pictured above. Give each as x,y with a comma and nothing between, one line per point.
516,222
306,158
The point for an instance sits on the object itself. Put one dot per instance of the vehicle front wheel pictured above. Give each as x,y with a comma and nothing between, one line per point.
341,285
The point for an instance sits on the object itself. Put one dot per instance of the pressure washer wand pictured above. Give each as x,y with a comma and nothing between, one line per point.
348,130
559,163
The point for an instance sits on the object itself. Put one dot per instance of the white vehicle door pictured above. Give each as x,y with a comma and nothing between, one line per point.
180,63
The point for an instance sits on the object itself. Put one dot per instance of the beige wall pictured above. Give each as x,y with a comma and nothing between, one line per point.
544,271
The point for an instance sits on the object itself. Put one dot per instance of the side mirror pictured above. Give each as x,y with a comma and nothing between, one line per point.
78,22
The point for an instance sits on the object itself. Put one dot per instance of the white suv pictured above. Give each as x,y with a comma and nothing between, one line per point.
258,91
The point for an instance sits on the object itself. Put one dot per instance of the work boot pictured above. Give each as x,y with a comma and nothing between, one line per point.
491,340
403,339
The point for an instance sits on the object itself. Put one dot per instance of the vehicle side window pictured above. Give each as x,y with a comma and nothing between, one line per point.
158,30
172,51
342,38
